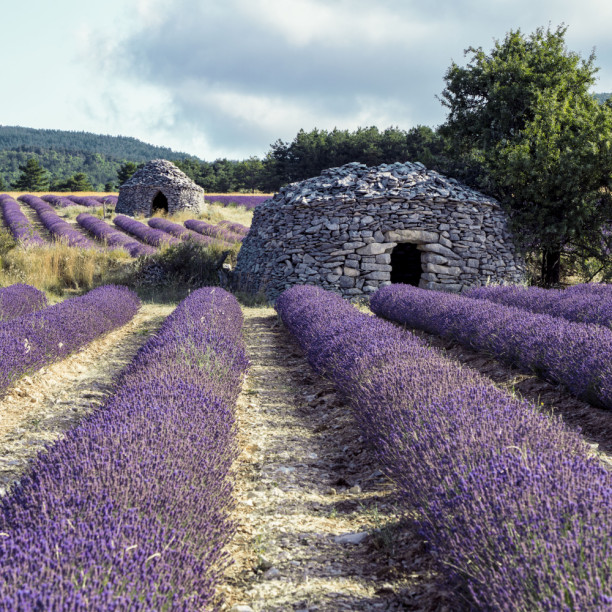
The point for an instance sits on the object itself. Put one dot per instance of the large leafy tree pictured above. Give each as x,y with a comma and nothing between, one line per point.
523,116
33,177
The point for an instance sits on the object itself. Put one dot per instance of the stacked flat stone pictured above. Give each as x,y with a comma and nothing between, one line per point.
137,193
337,230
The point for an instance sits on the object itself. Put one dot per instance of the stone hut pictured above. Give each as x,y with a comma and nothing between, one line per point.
159,185
356,228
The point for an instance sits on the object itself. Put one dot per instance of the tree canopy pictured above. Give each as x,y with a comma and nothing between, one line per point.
523,116
33,177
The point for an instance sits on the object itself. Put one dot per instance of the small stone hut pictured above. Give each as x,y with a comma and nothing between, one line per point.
159,185
356,228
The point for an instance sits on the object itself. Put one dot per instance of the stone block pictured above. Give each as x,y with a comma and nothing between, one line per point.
450,270
332,278
439,249
376,248
433,258
346,282
378,275
413,236
350,271
384,258
371,267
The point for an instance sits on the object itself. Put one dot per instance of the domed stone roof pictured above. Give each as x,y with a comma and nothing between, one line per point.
160,172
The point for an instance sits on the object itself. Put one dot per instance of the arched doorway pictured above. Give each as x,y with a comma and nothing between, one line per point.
160,203
406,264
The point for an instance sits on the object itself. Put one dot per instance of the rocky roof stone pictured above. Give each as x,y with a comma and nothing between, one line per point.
159,172
404,181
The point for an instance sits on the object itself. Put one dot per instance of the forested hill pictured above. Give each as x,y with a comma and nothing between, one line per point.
602,97
16,138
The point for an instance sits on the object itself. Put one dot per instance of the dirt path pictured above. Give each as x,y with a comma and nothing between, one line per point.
319,526
42,406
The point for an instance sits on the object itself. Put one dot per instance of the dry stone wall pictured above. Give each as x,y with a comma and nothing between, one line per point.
136,195
339,230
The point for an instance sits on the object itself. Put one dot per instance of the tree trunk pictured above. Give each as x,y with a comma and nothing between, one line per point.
551,266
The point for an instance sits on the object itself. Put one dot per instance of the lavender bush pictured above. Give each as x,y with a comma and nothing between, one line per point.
130,511
113,237
61,230
149,235
57,200
34,340
574,354
20,226
581,303
237,228
178,231
214,231
18,300
248,201
85,201
509,499
109,200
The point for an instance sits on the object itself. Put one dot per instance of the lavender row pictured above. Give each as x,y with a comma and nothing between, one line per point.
18,300
574,354
60,229
178,231
109,200
20,226
581,303
57,200
34,340
509,499
85,201
214,231
237,228
248,201
130,511
113,237
145,233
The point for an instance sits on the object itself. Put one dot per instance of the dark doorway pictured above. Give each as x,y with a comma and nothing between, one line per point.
160,202
406,264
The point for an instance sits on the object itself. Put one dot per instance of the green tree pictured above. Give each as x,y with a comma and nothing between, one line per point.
2,185
523,118
126,171
33,177
77,182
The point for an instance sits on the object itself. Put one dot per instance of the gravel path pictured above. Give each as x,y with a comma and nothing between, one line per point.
319,526
39,408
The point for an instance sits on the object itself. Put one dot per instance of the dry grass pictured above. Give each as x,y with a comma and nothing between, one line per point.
16,194
58,268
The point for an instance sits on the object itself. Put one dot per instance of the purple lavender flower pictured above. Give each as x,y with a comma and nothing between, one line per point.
60,229
17,300
574,354
585,303
214,231
149,235
237,228
85,201
20,226
511,500
31,341
113,237
130,510
178,231
57,200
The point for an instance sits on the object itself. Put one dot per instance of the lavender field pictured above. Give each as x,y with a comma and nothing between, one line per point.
310,457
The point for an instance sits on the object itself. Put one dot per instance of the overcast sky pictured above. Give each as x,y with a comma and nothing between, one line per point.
226,78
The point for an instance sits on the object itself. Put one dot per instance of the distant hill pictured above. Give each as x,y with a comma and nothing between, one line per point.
602,97
120,147
64,153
